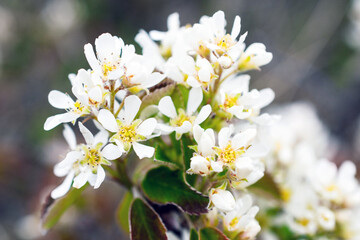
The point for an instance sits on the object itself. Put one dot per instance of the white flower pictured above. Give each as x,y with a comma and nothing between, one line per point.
254,57
349,223
180,121
203,160
183,69
210,40
74,110
222,199
231,148
303,222
339,186
129,132
111,54
139,74
326,218
169,42
300,208
247,172
242,218
90,87
234,97
83,163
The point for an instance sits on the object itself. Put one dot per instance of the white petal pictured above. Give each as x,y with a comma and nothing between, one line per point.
184,128
203,114
223,200
111,152
153,79
216,166
194,100
132,106
116,74
88,136
108,47
147,127
224,136
225,61
143,151
204,75
107,119
95,94
69,136
59,100
81,179
100,176
173,21
52,122
205,146
236,28
120,145
101,137
166,107
187,64
69,117
199,165
157,35
92,178
239,112
266,97
257,150
91,58
165,129
64,187
197,132
193,82
62,168
243,138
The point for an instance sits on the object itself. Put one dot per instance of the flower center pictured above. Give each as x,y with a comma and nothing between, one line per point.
230,101
233,222
303,221
181,118
203,50
127,133
228,155
165,52
285,194
106,68
225,43
331,188
92,157
79,108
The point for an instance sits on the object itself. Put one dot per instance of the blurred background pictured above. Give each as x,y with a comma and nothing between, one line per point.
316,48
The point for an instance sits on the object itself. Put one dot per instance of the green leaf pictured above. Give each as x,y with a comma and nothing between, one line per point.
176,144
161,156
122,212
164,186
283,232
54,209
145,223
187,154
193,234
267,187
210,233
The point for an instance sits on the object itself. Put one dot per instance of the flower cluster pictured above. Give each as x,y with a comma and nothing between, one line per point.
317,198
185,104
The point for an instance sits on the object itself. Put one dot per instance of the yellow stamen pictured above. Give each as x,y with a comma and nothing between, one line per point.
107,68
228,155
181,118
